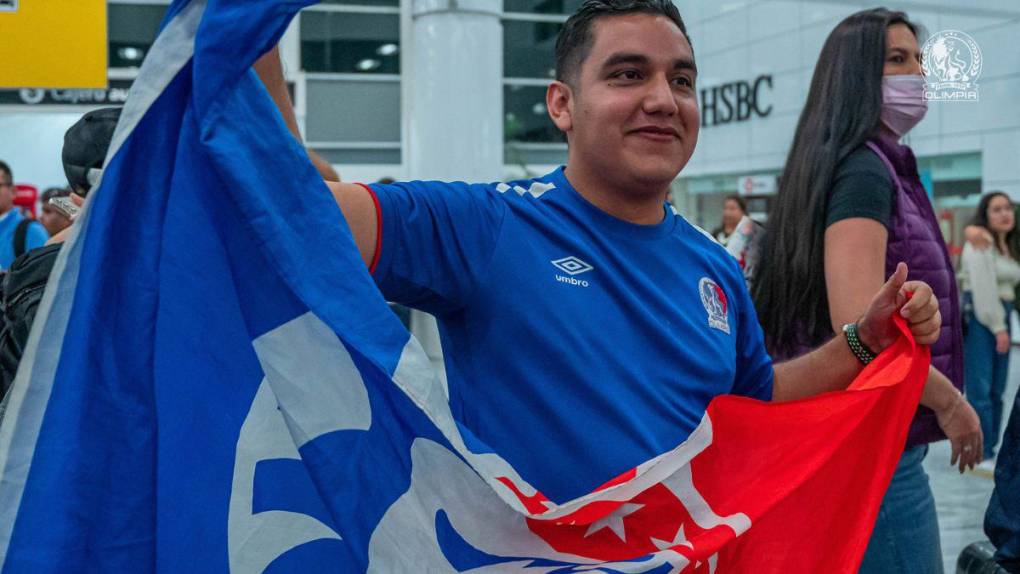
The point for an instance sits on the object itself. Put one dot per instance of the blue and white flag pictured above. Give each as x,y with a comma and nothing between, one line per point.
214,384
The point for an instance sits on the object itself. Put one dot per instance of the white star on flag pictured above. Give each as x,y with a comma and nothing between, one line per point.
614,521
679,540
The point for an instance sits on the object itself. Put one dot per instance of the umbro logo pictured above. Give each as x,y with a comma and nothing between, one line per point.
572,266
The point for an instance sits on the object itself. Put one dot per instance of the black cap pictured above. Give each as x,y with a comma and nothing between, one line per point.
86,144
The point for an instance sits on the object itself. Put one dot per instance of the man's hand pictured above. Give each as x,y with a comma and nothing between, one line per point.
914,301
62,234
1002,342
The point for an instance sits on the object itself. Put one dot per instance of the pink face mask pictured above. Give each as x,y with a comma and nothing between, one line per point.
903,103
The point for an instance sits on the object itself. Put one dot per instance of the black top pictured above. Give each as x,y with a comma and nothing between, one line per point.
862,187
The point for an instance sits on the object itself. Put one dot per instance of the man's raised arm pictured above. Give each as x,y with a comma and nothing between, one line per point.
354,200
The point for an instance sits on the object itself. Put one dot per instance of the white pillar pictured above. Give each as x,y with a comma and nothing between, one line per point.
453,104
455,108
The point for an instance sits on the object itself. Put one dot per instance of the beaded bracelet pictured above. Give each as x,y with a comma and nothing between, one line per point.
859,349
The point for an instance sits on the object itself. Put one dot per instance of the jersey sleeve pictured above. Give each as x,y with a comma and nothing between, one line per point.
862,187
754,374
36,236
435,241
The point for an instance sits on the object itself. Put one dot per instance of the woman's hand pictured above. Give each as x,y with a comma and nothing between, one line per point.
963,428
1002,342
977,237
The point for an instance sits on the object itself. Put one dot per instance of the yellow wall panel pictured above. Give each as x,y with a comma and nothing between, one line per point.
53,43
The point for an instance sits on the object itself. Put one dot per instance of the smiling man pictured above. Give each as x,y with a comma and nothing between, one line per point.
585,324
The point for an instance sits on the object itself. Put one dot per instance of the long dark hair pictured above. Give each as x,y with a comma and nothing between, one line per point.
842,112
981,220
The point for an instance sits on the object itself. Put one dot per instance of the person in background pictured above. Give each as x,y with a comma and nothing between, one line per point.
850,207
739,234
18,234
54,221
734,211
990,277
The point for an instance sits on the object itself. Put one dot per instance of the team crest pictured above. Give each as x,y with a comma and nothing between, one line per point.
716,305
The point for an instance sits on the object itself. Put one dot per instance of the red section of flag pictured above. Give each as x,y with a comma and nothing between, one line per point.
787,487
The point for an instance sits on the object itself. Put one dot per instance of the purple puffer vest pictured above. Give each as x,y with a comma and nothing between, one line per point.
916,239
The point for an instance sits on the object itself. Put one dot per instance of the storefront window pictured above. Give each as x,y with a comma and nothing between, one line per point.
132,30
350,43
529,49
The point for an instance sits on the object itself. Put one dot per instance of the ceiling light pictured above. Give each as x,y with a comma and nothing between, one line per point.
368,64
130,53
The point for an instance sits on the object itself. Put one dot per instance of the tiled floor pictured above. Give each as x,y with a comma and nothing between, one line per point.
961,499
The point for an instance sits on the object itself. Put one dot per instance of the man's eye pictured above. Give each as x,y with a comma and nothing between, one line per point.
683,82
628,75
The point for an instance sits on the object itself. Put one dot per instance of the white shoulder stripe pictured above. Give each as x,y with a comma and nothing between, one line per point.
536,189
703,232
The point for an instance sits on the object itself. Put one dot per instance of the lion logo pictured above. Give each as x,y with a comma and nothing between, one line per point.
952,63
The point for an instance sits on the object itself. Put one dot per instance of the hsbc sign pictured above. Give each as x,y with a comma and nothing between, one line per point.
736,101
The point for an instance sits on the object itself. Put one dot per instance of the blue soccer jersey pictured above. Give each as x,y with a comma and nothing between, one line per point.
577,345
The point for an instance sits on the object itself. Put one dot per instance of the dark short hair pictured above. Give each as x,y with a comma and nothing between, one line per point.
740,201
575,40
86,144
6,170
54,192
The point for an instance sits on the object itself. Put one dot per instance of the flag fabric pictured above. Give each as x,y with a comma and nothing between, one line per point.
214,384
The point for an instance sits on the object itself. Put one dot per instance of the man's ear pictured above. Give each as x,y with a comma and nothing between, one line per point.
559,100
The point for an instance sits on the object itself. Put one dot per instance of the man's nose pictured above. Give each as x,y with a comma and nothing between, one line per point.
660,98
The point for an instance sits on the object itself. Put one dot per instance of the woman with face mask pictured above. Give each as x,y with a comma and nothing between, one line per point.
850,207
990,277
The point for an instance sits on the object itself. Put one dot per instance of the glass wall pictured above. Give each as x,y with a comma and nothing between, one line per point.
132,30
349,54
530,28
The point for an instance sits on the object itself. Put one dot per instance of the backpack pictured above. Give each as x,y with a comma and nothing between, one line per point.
20,236
21,290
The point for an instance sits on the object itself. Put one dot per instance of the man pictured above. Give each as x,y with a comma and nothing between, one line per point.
83,154
17,233
596,321
54,221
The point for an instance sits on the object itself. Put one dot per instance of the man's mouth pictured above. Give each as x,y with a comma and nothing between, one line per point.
658,133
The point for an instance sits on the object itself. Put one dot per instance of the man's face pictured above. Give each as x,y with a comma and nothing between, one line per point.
53,220
6,192
635,110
